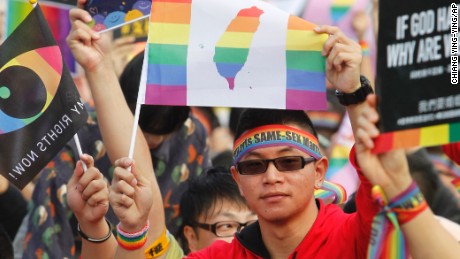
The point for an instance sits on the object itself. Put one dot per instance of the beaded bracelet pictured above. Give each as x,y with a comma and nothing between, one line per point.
132,241
95,240
159,247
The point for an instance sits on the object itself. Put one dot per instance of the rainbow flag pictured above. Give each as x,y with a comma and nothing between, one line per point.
425,136
40,108
251,55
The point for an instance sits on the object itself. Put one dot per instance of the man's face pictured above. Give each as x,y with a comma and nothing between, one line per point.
224,211
278,196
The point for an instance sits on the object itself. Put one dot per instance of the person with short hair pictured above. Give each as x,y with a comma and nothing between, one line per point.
212,208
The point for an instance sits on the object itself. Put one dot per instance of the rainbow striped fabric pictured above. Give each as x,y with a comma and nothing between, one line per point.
425,136
331,193
57,16
250,55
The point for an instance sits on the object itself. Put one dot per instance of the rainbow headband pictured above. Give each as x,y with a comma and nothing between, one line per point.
276,135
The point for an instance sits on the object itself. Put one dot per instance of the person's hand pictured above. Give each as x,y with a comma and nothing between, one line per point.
390,169
131,196
88,195
343,59
88,47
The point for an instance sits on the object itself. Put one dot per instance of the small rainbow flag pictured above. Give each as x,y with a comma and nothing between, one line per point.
339,8
251,55
305,80
425,136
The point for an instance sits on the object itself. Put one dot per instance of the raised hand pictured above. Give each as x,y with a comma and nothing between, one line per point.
390,169
88,47
343,59
131,196
88,195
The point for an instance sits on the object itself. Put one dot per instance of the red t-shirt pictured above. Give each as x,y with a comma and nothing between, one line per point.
452,151
334,234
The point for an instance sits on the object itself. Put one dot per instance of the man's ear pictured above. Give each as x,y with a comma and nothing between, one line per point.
320,171
236,177
192,238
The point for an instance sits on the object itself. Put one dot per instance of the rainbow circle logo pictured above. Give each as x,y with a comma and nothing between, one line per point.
28,84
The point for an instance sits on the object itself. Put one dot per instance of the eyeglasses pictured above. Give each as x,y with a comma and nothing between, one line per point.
224,228
285,163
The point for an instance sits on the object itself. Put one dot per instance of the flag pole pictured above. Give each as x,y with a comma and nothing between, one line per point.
140,101
125,23
80,152
134,131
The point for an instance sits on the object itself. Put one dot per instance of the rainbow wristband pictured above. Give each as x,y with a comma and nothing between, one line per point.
364,48
408,204
132,241
387,239
456,183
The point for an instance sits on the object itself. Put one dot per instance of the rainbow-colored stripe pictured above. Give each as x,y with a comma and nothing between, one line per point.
387,238
132,241
46,62
276,135
456,183
426,136
305,66
232,49
168,40
331,193
58,21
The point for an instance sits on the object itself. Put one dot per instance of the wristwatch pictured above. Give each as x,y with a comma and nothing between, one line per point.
357,96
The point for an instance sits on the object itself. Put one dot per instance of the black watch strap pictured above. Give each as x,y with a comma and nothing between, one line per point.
357,96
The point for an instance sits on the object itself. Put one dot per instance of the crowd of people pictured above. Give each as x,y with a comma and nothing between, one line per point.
191,190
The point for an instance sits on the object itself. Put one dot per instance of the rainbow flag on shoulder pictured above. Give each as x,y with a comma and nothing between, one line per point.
235,53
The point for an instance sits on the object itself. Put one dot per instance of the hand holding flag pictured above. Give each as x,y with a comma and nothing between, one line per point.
89,48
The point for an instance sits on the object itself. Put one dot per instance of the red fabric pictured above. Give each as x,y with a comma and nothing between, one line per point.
452,151
334,234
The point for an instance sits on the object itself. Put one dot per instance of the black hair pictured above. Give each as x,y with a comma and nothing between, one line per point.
203,195
253,118
438,197
234,118
6,247
154,119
